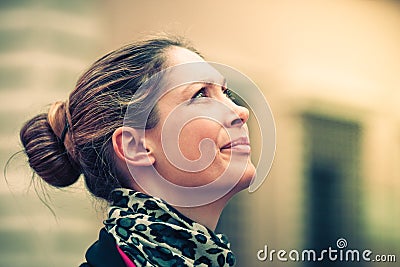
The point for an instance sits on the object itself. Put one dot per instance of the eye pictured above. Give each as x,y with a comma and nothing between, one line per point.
229,94
199,94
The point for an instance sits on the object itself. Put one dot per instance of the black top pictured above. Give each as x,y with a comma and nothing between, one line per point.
103,253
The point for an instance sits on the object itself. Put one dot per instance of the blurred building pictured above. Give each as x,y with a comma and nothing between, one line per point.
329,70
44,46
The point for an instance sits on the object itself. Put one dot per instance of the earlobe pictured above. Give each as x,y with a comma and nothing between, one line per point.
129,146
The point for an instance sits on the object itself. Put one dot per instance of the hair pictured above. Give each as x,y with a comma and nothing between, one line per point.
75,136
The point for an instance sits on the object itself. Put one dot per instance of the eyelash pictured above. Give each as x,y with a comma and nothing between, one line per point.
198,93
229,94
203,91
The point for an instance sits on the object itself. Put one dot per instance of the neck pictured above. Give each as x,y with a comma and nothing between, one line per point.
207,215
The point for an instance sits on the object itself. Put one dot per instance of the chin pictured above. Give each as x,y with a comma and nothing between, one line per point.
247,176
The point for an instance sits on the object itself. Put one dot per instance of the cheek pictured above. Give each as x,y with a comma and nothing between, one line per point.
193,133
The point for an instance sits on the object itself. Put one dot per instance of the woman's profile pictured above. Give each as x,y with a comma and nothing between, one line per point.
116,129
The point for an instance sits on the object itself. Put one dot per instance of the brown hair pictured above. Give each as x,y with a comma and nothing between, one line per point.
74,137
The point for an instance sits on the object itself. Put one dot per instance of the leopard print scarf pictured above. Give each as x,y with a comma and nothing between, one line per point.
153,233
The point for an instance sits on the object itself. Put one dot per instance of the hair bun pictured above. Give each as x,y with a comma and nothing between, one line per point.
47,155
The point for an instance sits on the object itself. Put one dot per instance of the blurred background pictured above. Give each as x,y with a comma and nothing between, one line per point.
329,69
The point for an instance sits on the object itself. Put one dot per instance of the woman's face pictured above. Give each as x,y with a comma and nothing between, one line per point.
209,114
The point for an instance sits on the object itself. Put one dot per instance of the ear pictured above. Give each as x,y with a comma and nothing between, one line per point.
129,146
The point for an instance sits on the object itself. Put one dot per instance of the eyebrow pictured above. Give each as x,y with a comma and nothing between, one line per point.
224,82
185,93
208,82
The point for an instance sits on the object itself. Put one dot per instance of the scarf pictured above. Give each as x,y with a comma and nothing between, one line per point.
153,233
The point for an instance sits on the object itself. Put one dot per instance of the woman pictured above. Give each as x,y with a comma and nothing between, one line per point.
111,130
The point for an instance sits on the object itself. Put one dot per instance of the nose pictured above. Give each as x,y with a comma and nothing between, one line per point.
238,116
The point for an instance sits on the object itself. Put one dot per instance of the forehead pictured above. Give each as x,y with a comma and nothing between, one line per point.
186,67
179,55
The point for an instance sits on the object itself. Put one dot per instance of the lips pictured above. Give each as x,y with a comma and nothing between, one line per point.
241,144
